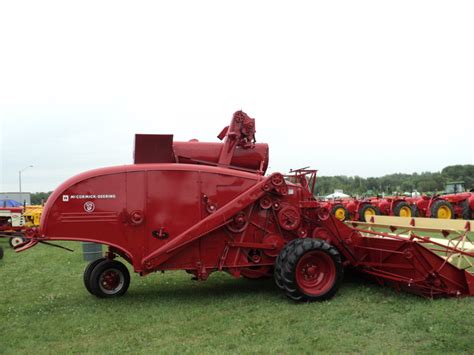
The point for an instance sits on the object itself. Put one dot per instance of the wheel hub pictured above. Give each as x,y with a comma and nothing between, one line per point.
405,212
444,213
315,273
311,271
340,214
111,280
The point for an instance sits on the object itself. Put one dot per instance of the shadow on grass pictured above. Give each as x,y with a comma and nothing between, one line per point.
222,289
208,291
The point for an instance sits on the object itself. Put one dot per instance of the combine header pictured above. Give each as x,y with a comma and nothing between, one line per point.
206,207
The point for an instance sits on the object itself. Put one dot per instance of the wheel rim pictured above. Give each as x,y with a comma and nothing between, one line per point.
315,273
369,212
405,212
444,212
15,241
340,214
111,281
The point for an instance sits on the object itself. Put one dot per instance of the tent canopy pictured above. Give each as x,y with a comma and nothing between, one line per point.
10,203
337,194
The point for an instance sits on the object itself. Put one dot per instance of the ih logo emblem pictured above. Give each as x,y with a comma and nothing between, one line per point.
89,206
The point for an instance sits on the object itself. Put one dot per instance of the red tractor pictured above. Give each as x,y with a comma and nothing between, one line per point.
337,209
346,209
455,202
207,207
461,200
361,209
395,206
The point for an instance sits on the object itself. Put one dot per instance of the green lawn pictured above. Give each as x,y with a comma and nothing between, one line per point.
45,309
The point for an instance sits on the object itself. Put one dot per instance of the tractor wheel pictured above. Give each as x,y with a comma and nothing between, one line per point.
368,211
109,278
15,241
467,213
340,212
414,211
403,209
312,271
281,258
442,209
88,272
1,253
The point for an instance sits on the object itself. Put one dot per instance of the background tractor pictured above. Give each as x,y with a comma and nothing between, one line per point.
455,202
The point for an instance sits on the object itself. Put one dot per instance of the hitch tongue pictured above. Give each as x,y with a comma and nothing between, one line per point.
27,245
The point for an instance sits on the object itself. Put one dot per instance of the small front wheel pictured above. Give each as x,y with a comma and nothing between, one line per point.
88,272
109,278
15,241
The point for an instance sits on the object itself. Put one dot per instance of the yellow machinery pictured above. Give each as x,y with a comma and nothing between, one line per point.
32,215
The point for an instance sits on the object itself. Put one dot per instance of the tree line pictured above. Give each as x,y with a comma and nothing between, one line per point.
425,182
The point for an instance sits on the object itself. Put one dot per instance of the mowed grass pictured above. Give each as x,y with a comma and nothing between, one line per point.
44,308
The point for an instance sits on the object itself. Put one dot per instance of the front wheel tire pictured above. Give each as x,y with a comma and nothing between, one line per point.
16,241
403,209
367,211
109,278
88,272
442,209
340,212
311,271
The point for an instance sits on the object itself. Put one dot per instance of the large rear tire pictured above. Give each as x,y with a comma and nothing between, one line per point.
110,278
311,271
280,260
403,209
467,213
340,212
368,211
1,253
442,209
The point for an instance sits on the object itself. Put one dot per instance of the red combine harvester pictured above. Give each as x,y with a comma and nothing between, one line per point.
206,207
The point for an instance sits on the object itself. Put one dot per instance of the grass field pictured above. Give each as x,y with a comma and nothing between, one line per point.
45,309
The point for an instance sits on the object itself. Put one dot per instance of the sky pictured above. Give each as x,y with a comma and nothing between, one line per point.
363,88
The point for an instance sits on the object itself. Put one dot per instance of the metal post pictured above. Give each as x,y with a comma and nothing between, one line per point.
19,179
